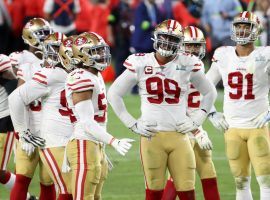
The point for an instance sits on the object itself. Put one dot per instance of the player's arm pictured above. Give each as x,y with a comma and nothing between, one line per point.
19,100
216,118
206,88
120,87
84,109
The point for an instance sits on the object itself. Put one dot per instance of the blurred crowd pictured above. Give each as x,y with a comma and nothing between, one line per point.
127,25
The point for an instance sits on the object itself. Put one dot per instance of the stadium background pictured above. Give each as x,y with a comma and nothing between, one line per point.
126,182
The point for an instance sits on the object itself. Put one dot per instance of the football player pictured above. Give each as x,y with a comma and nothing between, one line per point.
194,43
86,96
33,34
27,156
163,78
8,83
48,84
244,71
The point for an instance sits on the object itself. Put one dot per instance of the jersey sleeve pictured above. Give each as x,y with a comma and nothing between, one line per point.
130,63
22,71
5,63
80,81
46,76
16,58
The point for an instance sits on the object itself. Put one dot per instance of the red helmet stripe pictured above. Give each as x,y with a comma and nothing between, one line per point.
193,31
244,14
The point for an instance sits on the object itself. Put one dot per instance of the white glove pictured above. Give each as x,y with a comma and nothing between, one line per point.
262,119
191,124
202,139
186,126
145,129
218,121
28,137
122,146
28,148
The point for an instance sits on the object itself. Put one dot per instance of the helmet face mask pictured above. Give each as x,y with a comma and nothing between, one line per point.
197,49
167,38
51,47
245,28
100,55
92,51
51,53
35,31
166,44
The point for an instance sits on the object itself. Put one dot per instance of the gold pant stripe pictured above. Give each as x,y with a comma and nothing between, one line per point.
8,139
55,170
81,172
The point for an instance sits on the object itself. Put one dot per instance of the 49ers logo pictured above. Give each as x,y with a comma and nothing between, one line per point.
68,43
148,70
80,41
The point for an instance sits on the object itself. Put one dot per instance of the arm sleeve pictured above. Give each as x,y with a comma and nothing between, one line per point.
206,88
213,74
121,86
85,108
19,100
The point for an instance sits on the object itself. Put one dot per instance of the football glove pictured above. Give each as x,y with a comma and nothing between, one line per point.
28,148
218,121
191,124
262,119
122,146
145,129
32,139
202,139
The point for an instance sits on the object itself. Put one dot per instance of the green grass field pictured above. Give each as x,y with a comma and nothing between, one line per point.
126,182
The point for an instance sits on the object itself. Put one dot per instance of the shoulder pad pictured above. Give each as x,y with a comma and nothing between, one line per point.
80,80
131,62
5,63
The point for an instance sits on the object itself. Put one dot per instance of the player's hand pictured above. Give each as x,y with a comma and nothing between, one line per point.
262,119
122,146
32,139
202,139
218,121
28,148
188,125
145,129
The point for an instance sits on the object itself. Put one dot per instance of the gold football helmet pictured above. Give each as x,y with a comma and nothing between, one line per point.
194,41
168,36
35,31
51,47
66,54
92,51
245,28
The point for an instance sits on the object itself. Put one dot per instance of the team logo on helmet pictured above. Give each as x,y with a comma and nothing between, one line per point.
80,41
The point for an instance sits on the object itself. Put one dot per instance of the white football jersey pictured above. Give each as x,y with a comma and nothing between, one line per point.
245,81
26,72
4,66
163,88
82,80
56,123
22,57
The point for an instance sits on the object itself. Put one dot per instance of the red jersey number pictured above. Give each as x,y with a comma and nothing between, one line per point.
66,111
101,107
236,81
156,86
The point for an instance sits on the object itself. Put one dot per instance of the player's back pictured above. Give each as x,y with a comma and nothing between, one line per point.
56,126
245,81
163,88
82,80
